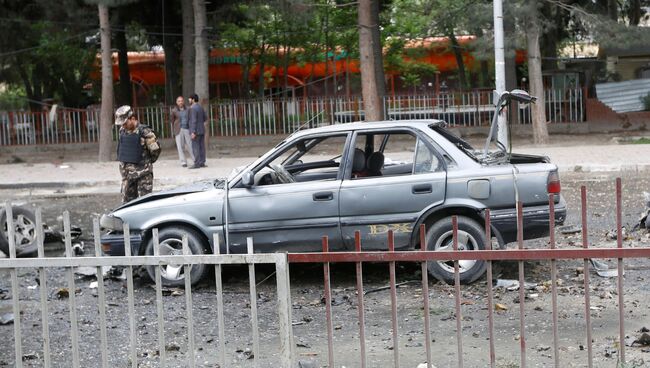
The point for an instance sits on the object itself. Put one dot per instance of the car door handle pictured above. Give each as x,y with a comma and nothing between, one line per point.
421,189
323,196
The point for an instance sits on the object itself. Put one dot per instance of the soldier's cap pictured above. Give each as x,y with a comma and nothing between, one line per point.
122,114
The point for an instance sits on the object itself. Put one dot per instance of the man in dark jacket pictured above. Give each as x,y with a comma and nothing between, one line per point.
197,118
137,150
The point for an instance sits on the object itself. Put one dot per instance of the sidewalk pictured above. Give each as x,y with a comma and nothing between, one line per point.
91,177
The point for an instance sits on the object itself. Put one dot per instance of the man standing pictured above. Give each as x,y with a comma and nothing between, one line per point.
137,150
197,119
181,129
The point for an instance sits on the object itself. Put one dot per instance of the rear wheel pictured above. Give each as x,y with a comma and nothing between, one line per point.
470,237
171,243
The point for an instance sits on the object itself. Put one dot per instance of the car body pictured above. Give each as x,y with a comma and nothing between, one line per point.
320,182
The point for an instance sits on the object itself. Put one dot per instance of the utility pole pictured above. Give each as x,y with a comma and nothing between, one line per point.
500,69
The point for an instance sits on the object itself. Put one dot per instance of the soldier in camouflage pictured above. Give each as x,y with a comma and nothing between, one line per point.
137,150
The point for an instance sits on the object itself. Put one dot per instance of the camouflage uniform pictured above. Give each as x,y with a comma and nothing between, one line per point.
137,179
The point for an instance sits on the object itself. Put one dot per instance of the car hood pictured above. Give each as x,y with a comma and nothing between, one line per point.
200,186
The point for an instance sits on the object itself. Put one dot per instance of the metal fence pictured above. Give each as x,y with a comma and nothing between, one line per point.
285,334
114,357
280,116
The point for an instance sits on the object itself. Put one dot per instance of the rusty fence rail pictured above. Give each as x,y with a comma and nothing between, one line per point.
520,255
358,257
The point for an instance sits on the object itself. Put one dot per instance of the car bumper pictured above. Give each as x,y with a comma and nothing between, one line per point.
535,221
113,244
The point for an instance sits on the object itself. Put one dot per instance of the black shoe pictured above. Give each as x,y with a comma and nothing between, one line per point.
204,165
184,165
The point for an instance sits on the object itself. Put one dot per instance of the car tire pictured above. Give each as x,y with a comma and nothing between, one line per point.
171,243
471,236
24,231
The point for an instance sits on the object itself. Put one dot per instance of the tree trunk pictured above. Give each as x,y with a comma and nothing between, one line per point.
171,70
124,96
378,51
458,53
612,10
201,81
635,12
540,131
372,105
188,48
106,115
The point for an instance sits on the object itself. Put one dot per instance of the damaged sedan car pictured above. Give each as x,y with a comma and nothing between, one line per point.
339,179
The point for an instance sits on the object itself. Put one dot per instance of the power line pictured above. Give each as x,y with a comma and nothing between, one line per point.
27,49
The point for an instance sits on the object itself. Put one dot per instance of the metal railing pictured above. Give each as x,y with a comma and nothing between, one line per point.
358,257
280,116
111,358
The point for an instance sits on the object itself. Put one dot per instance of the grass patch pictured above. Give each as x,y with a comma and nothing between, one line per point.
643,140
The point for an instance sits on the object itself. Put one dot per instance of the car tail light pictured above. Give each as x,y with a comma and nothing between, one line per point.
553,183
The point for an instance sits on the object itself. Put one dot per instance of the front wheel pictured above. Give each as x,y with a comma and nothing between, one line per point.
470,237
24,224
171,243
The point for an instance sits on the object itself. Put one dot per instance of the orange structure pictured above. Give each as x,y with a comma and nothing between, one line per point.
225,66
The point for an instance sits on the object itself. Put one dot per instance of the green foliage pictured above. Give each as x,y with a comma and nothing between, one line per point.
12,98
44,49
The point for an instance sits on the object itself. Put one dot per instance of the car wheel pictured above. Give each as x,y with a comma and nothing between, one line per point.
24,231
171,243
470,237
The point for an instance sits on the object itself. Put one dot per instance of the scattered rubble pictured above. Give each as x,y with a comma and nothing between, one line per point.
6,318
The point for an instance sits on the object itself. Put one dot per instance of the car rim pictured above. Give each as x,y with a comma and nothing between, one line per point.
172,247
465,242
24,231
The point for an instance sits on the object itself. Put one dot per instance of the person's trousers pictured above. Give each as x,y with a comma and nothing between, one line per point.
198,147
184,141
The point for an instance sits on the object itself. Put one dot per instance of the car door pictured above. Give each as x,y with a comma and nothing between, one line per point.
411,179
293,216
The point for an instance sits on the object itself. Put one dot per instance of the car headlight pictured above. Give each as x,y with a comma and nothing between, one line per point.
111,222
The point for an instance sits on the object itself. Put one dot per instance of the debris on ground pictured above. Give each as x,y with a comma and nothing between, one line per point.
613,234
643,340
6,318
86,271
171,291
78,249
387,287
424,365
570,229
512,285
115,273
602,269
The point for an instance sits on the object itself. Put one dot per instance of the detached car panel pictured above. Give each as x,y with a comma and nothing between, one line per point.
336,180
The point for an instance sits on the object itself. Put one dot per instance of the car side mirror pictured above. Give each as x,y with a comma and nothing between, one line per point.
248,179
